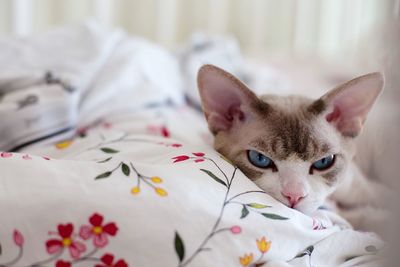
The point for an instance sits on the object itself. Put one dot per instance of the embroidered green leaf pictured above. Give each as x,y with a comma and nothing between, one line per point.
179,247
307,251
310,250
0,249
108,150
274,216
212,175
103,175
371,249
245,212
125,169
257,206
104,160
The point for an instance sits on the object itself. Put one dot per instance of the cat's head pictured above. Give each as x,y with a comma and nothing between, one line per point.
296,149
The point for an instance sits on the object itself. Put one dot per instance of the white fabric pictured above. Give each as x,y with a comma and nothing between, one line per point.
38,194
104,68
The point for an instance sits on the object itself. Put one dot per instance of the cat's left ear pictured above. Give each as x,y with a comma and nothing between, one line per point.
348,104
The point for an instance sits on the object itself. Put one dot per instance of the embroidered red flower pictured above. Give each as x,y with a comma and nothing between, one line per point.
99,231
165,132
180,158
61,263
108,261
65,232
198,157
159,130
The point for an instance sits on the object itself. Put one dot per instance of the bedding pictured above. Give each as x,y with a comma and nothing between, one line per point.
151,201
136,181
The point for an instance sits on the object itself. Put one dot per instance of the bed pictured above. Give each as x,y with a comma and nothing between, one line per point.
119,171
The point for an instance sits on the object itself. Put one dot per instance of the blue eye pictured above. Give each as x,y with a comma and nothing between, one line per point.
259,160
324,163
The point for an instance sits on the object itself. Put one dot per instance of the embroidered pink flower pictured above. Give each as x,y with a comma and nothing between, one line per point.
18,238
65,232
6,155
108,261
236,229
61,263
98,231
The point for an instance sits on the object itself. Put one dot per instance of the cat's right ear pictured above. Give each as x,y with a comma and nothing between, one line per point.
224,98
350,103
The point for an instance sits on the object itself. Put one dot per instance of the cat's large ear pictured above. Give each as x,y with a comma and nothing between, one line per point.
348,104
224,98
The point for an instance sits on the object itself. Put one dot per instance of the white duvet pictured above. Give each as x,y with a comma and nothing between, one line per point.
143,187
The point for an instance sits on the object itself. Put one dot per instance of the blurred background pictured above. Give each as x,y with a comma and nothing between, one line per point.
352,33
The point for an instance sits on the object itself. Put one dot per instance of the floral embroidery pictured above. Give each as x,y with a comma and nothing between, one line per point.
64,144
108,261
159,130
199,157
61,263
68,240
317,225
263,246
246,259
126,169
6,154
18,238
98,231
26,157
307,252
227,183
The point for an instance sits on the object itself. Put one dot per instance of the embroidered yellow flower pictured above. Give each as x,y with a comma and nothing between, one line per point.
156,179
63,144
263,245
161,191
246,259
135,190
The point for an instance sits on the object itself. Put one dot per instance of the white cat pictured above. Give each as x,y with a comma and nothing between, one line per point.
299,150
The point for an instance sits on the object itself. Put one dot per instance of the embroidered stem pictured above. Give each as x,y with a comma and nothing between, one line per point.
216,224
15,260
41,263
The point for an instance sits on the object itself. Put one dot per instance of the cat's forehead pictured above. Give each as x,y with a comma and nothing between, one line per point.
288,128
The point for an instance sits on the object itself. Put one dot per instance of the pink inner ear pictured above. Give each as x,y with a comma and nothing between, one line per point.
222,97
334,115
352,101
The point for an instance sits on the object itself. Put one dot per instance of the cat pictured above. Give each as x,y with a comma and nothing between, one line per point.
298,150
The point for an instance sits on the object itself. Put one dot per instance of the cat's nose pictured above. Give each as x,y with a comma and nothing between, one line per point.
293,197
